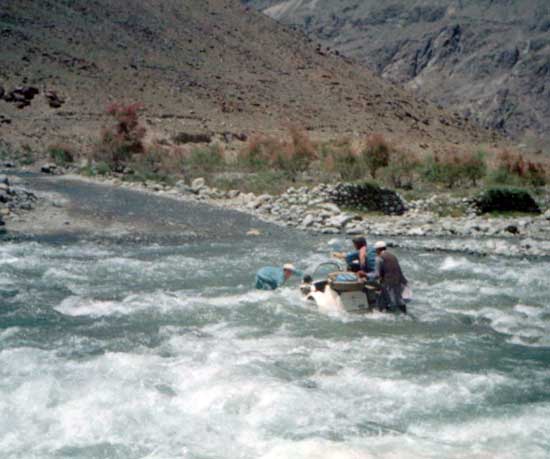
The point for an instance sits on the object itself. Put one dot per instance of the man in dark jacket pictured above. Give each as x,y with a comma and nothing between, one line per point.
388,273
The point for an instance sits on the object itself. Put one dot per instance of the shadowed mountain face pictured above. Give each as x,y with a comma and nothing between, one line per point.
487,59
194,64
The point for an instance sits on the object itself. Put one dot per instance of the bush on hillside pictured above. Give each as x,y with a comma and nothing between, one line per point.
264,152
506,200
376,154
453,169
124,138
302,151
442,169
341,158
204,161
401,170
260,152
513,168
474,167
61,154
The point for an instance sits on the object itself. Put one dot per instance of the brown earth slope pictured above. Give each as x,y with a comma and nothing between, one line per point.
489,60
195,65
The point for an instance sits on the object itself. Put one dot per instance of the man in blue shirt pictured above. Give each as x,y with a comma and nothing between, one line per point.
271,278
364,255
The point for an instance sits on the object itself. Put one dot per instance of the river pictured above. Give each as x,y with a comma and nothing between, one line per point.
113,349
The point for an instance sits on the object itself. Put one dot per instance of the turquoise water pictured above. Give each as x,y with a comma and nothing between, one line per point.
112,351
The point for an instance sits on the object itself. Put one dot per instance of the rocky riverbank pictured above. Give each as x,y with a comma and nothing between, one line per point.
14,201
314,210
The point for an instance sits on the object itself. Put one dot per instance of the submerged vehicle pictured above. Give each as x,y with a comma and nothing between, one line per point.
332,288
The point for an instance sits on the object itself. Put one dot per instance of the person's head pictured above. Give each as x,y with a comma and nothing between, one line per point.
307,279
288,270
380,246
359,242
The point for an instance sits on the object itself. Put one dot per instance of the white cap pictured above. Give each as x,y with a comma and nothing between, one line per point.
380,245
289,267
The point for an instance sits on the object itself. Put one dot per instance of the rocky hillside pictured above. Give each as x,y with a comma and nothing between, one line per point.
489,60
195,65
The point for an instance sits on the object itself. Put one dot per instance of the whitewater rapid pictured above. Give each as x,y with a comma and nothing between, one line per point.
110,350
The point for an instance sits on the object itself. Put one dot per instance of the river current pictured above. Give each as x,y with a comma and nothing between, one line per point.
112,350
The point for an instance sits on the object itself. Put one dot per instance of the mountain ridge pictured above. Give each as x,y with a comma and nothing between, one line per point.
489,61
195,65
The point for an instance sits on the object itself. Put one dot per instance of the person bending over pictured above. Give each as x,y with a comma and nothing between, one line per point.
271,278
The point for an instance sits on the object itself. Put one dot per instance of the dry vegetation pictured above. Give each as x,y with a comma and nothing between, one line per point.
269,163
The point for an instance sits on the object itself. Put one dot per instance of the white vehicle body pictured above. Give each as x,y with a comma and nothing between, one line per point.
331,295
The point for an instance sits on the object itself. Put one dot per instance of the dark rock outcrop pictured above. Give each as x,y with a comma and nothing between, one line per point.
20,96
367,197
54,100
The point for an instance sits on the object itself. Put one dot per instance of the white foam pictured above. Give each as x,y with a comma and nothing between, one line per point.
157,301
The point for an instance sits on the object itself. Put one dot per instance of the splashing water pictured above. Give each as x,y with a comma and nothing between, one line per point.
167,352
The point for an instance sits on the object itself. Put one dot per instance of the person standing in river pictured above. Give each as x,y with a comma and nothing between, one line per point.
271,278
363,254
388,272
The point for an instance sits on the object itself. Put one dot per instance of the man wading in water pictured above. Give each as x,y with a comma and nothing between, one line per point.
271,278
388,273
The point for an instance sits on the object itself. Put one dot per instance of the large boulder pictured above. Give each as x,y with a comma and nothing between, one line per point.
198,184
506,200
54,100
48,169
339,221
27,92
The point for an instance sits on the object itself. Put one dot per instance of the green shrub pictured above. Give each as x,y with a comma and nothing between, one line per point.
349,166
401,171
474,167
267,181
102,168
26,155
506,199
502,176
376,154
158,163
339,157
204,161
536,174
88,170
454,169
61,154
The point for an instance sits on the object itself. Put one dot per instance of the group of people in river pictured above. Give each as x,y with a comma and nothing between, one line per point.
375,265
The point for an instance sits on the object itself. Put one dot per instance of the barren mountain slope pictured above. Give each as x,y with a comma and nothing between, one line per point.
489,60
195,64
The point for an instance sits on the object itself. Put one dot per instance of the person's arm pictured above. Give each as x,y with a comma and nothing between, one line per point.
363,258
